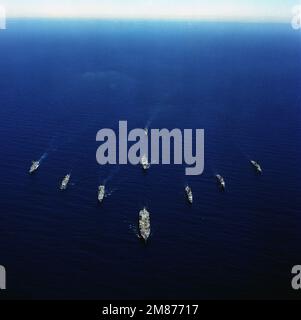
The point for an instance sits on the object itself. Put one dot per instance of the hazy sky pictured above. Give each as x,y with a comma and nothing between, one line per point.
251,10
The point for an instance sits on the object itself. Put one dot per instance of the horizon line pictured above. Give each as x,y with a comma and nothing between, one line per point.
167,19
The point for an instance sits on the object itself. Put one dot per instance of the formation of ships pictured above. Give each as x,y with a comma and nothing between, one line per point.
144,215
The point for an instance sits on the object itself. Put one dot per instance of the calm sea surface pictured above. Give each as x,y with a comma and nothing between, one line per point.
62,81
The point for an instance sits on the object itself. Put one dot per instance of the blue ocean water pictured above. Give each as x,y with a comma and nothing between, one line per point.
62,81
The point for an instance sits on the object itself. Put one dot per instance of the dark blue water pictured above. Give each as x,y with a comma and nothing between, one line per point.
62,81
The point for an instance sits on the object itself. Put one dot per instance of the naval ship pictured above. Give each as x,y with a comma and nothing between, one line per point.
257,166
221,181
34,167
144,224
65,182
189,194
101,193
144,162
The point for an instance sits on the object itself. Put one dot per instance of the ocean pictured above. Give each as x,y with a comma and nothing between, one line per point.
63,80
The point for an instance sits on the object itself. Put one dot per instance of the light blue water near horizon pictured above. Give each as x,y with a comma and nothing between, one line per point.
62,81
